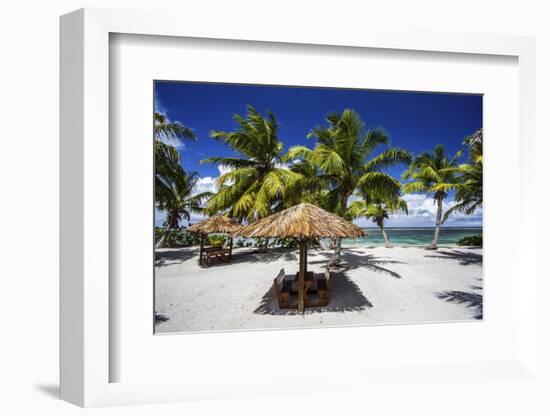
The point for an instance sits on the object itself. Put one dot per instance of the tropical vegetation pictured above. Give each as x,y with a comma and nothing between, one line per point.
435,174
474,240
344,155
257,179
378,210
469,190
344,172
174,188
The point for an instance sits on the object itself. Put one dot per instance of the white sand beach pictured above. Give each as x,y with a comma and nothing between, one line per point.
377,286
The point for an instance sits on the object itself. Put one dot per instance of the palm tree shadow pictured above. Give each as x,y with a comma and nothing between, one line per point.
166,258
358,259
159,318
463,257
259,257
345,296
248,256
469,299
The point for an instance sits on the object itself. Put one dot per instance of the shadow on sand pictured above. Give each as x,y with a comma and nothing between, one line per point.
464,258
345,297
254,256
165,258
469,299
354,259
160,318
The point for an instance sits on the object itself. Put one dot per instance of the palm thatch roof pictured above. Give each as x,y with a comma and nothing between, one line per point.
216,224
302,221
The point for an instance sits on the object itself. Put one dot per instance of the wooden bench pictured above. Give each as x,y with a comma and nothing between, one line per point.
215,253
283,287
324,287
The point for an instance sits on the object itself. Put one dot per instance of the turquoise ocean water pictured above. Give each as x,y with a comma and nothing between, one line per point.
412,236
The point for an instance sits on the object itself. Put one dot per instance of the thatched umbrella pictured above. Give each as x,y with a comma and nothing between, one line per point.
302,222
216,224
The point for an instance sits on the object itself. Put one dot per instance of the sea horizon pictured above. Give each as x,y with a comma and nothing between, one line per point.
413,236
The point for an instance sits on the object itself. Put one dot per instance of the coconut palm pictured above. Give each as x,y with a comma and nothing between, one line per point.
257,179
344,154
378,211
309,186
435,174
167,158
167,130
179,201
469,191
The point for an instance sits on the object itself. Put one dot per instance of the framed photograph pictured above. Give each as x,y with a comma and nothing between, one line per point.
239,212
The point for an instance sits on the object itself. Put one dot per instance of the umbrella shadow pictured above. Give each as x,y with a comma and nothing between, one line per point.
469,299
345,296
464,258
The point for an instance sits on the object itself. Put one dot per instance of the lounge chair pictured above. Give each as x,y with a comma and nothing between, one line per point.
282,288
324,286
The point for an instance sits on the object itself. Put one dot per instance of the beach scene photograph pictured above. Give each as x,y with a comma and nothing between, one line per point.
284,207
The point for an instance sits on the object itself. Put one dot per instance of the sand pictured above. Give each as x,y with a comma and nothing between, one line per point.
376,286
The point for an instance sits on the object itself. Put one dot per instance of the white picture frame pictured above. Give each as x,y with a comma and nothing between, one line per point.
85,211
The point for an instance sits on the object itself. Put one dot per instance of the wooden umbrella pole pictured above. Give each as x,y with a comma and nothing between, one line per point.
230,247
201,249
301,278
305,259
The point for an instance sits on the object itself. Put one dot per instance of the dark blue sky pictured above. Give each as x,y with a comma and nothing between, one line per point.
415,121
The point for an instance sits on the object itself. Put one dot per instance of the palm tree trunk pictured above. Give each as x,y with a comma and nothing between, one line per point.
265,245
438,216
164,237
336,258
386,239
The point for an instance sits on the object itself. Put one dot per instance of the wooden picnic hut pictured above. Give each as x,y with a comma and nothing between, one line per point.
219,224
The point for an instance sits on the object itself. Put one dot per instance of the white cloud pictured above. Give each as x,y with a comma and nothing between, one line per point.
159,108
161,215
172,141
169,140
282,166
205,184
422,212
224,169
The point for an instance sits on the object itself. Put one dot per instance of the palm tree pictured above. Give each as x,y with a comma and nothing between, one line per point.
167,158
469,191
258,178
434,174
378,211
166,129
178,201
309,186
343,153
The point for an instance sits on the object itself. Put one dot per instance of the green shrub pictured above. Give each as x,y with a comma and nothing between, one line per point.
474,240
177,238
216,240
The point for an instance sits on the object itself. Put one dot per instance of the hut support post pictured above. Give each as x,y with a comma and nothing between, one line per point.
201,249
302,274
230,247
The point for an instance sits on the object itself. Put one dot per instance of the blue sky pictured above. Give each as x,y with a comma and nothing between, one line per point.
415,121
